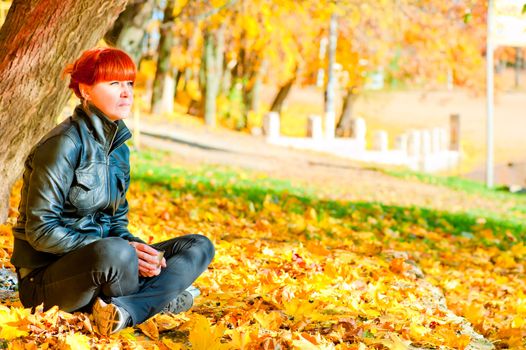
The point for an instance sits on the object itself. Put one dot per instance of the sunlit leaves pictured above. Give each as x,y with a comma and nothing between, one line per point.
292,272
204,336
12,325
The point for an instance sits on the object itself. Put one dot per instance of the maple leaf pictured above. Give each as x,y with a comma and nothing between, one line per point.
272,320
306,344
203,336
77,341
149,327
475,314
395,343
397,265
241,339
12,323
299,309
171,345
166,322
9,332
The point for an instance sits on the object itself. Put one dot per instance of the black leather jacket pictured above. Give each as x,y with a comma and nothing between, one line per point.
74,190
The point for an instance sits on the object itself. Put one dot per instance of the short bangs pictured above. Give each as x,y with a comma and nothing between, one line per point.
114,65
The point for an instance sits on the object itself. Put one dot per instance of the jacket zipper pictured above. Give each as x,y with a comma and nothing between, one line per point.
108,172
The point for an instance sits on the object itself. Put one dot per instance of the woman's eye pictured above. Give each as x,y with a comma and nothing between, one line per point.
114,83
131,83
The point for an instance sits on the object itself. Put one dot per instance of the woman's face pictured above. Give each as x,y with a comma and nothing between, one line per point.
114,98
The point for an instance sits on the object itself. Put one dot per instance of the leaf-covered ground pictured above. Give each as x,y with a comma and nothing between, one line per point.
294,270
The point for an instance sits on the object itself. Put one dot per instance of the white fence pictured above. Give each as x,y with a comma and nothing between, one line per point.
426,150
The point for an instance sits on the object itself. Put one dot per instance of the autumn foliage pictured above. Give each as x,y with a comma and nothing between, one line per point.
296,271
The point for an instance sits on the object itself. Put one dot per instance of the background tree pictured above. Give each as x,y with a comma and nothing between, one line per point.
37,40
305,37
292,49
128,31
213,63
201,16
162,97
368,30
441,42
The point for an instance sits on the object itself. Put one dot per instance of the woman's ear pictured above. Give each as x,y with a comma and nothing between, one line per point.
84,91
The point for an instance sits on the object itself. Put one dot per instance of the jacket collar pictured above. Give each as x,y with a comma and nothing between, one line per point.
108,133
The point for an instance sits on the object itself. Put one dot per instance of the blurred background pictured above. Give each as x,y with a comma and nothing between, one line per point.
398,64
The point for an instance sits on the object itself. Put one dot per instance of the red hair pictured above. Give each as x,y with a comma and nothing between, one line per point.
100,64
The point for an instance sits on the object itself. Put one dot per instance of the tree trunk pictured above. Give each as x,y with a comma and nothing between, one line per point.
256,90
330,93
188,76
214,49
178,73
164,70
189,45
226,80
345,123
518,59
128,31
37,40
197,107
210,80
277,103
252,87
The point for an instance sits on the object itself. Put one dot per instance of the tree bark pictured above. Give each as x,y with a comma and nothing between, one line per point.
518,59
330,92
277,103
128,30
37,40
252,86
226,79
214,49
197,107
178,73
256,89
164,70
343,129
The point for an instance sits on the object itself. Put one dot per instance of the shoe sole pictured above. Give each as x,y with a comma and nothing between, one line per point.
105,316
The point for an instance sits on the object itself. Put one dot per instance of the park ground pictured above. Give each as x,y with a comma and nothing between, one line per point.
313,252
401,110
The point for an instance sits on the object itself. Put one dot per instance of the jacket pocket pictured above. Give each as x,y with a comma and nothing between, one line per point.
121,183
87,191
119,191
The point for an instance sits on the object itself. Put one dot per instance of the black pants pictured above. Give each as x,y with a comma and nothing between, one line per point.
108,268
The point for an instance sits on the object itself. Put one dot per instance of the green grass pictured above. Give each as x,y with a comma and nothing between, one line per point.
237,185
453,182
457,183
210,179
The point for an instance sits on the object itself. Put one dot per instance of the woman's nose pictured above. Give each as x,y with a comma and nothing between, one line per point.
126,89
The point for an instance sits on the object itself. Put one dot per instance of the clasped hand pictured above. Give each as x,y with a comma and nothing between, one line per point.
148,260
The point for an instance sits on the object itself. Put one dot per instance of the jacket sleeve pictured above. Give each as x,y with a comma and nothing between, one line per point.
119,221
53,168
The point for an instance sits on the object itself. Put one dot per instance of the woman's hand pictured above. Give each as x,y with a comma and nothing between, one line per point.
149,265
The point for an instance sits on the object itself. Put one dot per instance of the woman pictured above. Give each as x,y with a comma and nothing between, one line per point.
72,246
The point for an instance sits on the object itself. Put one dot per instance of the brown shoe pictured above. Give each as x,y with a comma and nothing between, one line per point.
108,318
